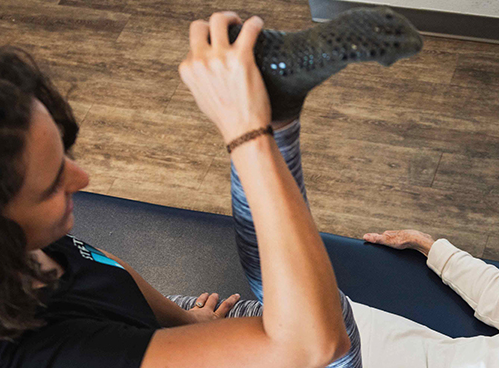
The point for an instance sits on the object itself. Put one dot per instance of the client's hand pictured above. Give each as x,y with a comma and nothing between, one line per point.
207,312
224,78
402,239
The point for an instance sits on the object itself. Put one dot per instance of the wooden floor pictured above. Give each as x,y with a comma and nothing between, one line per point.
415,145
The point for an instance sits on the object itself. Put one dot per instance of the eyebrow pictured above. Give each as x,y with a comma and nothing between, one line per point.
49,190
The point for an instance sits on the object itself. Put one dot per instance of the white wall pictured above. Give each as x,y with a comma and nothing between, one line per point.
489,8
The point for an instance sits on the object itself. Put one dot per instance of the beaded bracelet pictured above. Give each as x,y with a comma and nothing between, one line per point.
248,136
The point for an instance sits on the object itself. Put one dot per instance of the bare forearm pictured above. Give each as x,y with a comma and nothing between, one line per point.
171,315
166,312
302,301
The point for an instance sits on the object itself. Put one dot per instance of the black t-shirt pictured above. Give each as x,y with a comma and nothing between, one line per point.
98,317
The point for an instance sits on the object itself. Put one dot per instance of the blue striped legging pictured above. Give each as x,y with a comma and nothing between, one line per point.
288,141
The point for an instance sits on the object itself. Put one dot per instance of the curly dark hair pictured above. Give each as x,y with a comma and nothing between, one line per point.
21,80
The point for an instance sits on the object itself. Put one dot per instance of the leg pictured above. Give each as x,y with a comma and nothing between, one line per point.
288,141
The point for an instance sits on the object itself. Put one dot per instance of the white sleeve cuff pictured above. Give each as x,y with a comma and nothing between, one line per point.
440,253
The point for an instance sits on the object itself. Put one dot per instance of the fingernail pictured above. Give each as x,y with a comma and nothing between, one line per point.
238,296
258,20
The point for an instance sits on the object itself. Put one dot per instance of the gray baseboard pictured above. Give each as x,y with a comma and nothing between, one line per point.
428,22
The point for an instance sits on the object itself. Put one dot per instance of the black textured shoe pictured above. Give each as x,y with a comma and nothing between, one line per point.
293,63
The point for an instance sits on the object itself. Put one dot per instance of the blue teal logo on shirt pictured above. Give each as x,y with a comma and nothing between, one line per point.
89,252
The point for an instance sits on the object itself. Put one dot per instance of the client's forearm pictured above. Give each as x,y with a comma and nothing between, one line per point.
302,304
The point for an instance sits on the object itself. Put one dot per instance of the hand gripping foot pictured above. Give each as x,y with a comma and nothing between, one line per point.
293,63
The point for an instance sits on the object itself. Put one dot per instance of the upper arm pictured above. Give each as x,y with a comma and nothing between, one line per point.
222,343
113,257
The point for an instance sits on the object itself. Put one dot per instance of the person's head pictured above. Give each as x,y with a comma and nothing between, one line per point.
37,131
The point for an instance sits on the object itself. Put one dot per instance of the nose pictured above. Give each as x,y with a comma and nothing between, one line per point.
78,178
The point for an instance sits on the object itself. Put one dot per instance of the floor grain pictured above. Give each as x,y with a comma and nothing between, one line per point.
415,145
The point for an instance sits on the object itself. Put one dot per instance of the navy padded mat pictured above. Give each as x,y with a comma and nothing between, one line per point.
190,252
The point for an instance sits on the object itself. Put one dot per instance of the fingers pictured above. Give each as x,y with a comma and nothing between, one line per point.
211,301
391,232
371,237
219,25
214,31
384,238
202,299
227,305
217,31
198,36
249,34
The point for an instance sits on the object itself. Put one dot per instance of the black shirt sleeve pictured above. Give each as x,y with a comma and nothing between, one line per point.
82,343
